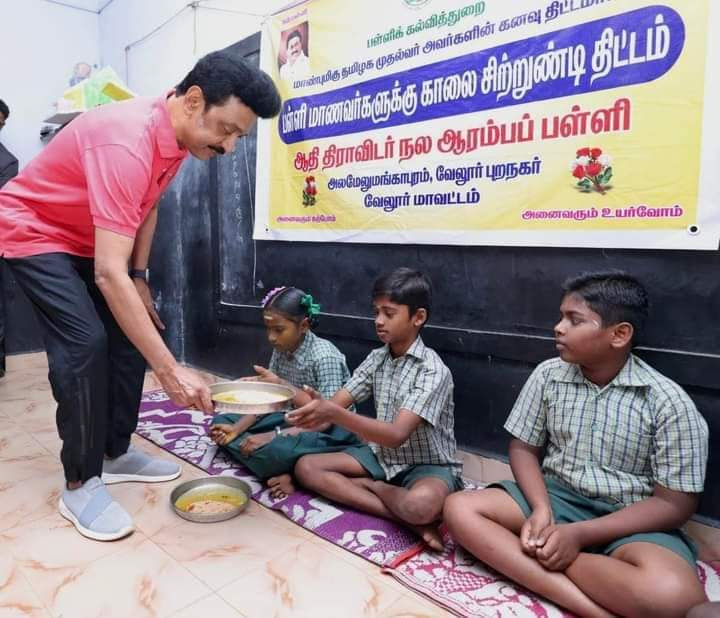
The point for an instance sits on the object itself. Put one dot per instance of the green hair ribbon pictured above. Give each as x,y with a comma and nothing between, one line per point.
313,309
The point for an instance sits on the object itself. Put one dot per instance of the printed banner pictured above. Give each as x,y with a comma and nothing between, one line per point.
540,123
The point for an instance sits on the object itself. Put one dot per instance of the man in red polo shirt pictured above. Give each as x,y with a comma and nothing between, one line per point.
76,227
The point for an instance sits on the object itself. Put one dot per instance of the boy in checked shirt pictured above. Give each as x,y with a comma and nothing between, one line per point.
409,465
623,449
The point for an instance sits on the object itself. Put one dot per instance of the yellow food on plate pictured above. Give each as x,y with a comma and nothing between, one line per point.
211,503
257,398
210,507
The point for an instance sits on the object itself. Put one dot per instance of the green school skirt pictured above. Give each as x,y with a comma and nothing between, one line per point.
281,455
569,506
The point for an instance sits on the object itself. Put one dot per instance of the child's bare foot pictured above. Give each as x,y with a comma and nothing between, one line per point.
430,535
223,434
281,486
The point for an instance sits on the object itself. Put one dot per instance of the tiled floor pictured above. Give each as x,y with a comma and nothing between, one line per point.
258,564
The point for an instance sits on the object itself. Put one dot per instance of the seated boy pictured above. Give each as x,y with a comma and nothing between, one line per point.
409,466
625,450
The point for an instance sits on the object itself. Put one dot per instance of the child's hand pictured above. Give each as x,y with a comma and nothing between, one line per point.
314,414
530,533
254,442
265,375
223,434
561,544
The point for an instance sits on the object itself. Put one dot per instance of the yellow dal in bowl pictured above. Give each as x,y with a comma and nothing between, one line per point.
249,397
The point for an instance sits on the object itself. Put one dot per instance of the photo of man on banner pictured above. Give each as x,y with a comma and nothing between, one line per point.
293,56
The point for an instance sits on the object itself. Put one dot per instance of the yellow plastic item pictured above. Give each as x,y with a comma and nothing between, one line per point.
117,92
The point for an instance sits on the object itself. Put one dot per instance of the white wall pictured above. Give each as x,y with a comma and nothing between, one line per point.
40,42
161,60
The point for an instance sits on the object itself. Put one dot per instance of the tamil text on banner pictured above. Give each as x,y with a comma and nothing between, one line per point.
565,123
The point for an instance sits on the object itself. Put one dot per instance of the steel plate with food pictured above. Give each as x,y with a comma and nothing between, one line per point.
210,499
246,397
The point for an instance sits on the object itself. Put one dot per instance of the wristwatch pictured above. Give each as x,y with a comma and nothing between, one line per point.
143,274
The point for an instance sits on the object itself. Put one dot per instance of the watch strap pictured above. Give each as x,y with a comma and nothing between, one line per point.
137,273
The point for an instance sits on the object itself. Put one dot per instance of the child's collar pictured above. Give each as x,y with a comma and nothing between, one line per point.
631,374
416,349
302,350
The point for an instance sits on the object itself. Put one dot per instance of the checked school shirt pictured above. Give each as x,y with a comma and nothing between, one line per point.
419,382
316,362
612,443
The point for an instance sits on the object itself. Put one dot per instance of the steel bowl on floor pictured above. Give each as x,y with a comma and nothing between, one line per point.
211,499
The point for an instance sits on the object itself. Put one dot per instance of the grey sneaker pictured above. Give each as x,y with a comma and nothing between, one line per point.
138,466
94,513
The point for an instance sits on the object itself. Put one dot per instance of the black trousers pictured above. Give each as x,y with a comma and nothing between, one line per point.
2,324
96,374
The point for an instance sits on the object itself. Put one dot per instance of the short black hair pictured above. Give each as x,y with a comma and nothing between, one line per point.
292,303
405,286
614,295
222,74
4,109
292,35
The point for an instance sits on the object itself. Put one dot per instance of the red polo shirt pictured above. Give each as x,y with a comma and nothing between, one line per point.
105,169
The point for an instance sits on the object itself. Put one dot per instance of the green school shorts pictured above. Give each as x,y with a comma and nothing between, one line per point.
569,507
365,456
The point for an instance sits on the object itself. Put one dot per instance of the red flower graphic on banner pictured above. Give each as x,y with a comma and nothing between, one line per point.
309,191
592,169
